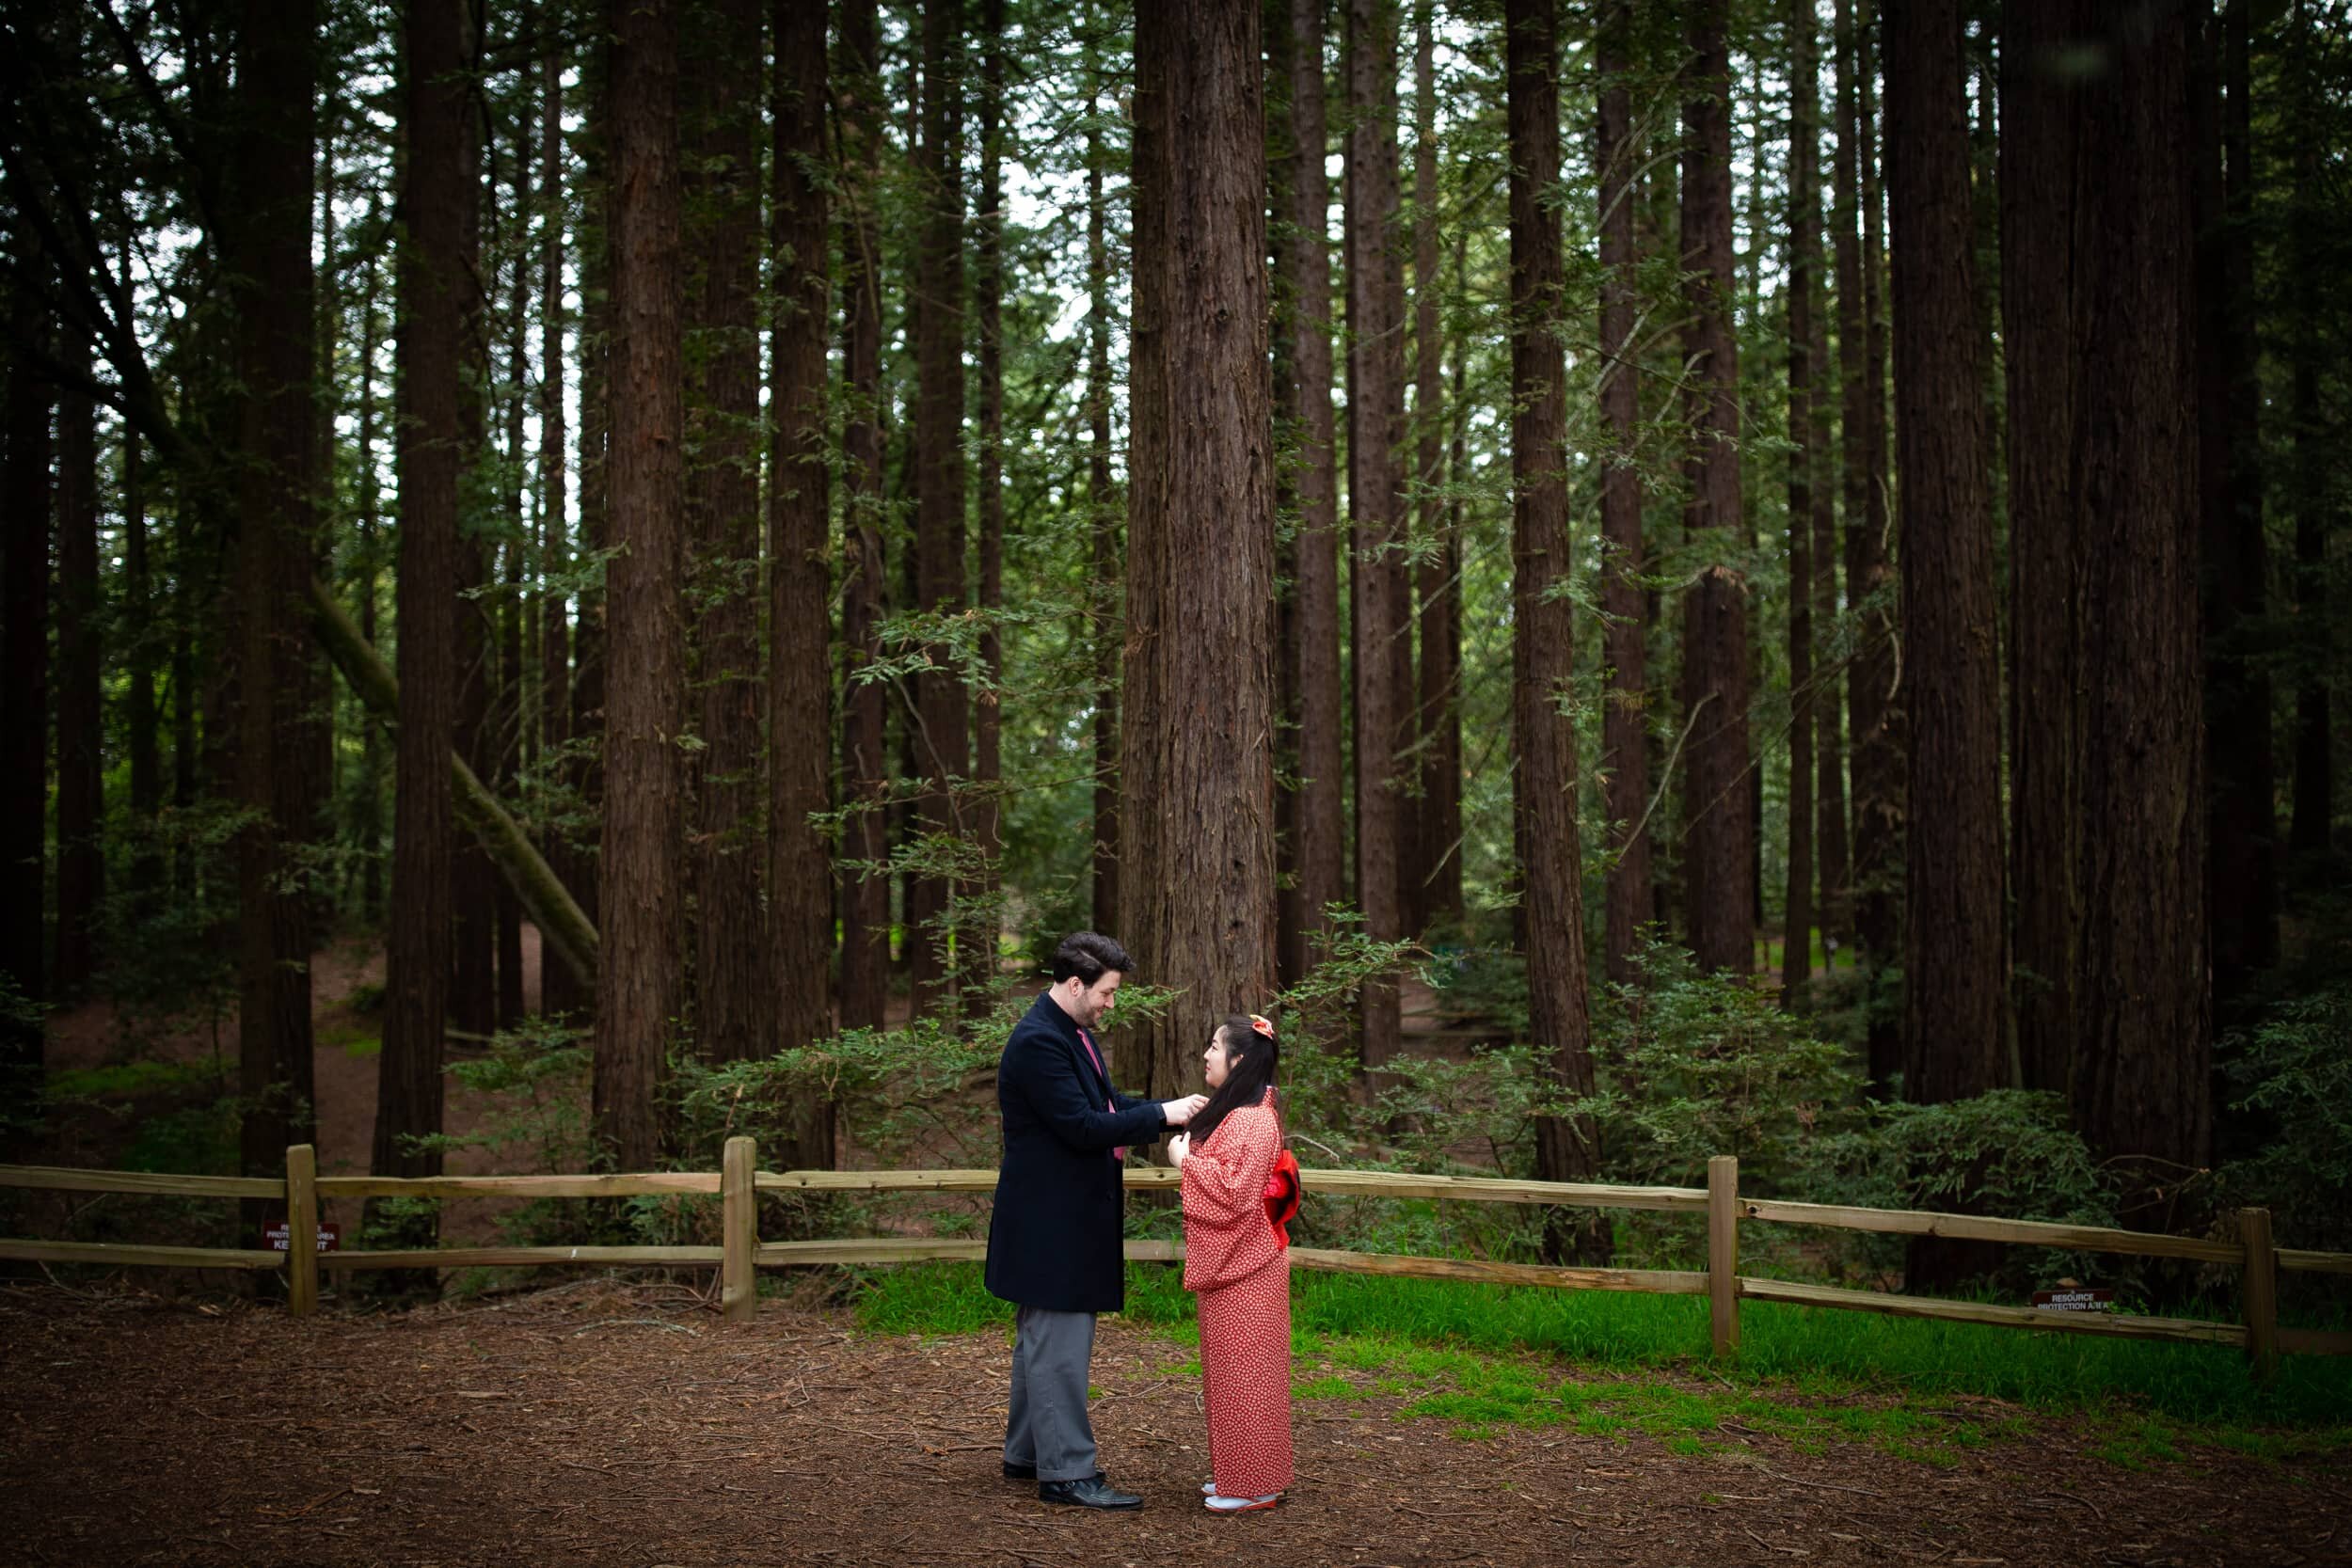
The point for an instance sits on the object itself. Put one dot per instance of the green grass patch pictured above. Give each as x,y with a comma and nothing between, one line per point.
126,1080
1480,1357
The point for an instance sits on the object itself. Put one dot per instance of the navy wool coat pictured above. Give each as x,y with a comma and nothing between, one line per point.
1054,1239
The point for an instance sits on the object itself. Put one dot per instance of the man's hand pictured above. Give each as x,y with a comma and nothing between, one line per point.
1177,1112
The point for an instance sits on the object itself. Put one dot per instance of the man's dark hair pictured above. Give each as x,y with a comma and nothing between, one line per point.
1086,955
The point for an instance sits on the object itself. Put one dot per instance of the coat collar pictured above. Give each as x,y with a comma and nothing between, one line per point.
1066,1027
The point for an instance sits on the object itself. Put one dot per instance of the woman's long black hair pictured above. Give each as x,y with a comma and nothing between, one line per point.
1246,1081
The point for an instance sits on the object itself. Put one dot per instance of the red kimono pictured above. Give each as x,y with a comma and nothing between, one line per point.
1243,1276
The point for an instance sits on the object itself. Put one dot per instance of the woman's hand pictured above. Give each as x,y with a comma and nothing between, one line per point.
1177,1148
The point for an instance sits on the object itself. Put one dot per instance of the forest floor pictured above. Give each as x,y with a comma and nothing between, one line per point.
598,1423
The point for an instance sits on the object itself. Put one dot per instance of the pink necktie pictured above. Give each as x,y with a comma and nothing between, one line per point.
1111,1105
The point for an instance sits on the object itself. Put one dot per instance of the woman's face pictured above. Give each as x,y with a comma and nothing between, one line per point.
1216,1063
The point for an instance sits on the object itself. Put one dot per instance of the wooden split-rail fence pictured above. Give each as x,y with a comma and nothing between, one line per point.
740,1253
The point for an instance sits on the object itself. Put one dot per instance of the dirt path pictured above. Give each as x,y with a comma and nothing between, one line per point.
601,1425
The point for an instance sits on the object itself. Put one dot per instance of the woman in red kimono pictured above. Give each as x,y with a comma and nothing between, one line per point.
1235,1258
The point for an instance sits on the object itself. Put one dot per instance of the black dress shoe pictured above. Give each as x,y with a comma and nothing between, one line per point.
1093,1492
1019,1472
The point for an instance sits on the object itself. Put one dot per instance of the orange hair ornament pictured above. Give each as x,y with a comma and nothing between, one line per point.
1263,1025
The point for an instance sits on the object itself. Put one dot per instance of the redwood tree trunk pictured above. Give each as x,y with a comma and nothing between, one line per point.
2041,233
1718,856
1376,413
2142,1082
431,279
943,744
1102,538
1436,890
734,1014
1805,269
558,991
1625,722
865,770
1568,1148
271,240
799,874
1197,761
81,720
1303,254
24,725
639,989
1953,1043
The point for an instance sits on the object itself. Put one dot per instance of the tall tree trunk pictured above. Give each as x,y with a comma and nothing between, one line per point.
2241,848
1718,857
864,769
1376,415
1198,752
508,709
1436,877
1877,715
639,990
2142,1081
557,991
734,1007
141,633
1953,1040
1102,538
989,284
800,872
24,728
1302,253
2311,831
944,745
473,886
1625,722
2041,233
277,441
432,281
1568,1148
81,719
1805,267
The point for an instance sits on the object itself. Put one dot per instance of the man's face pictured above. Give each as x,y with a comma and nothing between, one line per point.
1087,1004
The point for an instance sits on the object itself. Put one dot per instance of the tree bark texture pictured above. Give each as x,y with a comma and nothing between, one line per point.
1435,887
719,112
270,238
1197,757
431,280
1376,575
81,719
2142,1081
944,740
1805,271
2241,841
24,579
2311,831
1624,719
1719,856
1954,1046
555,643
1304,256
1568,1148
799,687
864,769
1104,613
2042,234
639,992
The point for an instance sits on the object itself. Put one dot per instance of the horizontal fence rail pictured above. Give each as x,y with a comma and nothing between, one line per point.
740,1253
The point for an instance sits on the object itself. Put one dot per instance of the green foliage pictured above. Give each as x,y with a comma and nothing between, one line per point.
2290,1076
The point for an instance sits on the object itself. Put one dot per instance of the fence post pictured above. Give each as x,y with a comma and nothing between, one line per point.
302,1230
1723,1251
739,1225
2260,1292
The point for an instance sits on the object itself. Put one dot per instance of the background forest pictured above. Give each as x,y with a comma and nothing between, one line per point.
1755,576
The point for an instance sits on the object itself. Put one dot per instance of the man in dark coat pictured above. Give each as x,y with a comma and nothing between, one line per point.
1053,1240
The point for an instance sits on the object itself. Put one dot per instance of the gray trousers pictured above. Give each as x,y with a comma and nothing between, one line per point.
1046,1424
